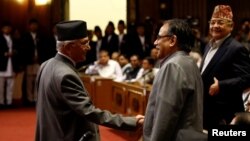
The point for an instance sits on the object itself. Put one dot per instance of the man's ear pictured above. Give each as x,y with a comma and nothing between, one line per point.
67,49
173,41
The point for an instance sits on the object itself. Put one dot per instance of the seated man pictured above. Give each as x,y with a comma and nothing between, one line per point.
131,72
124,63
106,67
243,118
147,73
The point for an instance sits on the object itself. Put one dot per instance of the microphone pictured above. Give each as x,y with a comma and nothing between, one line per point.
86,136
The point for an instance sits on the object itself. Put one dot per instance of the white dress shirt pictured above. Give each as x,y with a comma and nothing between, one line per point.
111,70
213,49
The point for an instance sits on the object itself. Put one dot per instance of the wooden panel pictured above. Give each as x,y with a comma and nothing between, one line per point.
119,99
136,102
103,93
99,89
89,85
130,99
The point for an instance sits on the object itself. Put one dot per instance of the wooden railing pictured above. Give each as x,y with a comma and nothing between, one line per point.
117,97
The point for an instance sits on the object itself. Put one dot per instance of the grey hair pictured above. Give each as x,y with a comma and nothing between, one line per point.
60,44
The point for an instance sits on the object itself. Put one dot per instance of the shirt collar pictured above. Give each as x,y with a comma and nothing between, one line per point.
217,43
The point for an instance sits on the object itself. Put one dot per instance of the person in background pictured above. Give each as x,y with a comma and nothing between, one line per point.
224,66
115,56
123,38
110,41
197,57
175,103
140,44
64,109
105,67
98,34
243,118
51,42
154,55
124,63
147,73
34,53
9,65
132,72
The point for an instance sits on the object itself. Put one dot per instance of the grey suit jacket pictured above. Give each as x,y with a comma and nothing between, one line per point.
65,111
176,100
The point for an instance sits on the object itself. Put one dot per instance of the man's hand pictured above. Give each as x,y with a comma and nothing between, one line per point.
140,120
214,88
139,123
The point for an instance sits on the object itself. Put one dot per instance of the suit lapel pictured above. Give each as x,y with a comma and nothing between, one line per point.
220,52
207,48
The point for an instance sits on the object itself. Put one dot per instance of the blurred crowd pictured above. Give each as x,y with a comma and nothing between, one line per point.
127,55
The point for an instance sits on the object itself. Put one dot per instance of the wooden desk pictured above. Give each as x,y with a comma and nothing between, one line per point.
100,90
129,99
117,97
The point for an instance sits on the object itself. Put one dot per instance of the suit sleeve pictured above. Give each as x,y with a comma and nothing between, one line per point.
77,98
171,99
241,69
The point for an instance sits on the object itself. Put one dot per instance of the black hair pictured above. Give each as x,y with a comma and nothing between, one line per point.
183,32
150,60
97,29
121,22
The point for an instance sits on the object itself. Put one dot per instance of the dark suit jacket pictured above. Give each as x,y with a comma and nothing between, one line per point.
123,46
4,59
29,49
229,65
112,45
65,111
137,47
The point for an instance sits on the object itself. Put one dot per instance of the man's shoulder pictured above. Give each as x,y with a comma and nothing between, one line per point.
233,43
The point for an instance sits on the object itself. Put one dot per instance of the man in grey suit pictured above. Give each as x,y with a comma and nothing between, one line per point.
176,101
65,111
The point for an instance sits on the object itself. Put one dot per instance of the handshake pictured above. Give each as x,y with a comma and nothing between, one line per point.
139,125
140,120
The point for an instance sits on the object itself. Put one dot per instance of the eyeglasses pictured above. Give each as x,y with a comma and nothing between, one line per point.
159,36
82,43
219,22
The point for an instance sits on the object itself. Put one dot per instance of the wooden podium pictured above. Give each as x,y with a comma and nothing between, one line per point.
129,99
117,97
100,90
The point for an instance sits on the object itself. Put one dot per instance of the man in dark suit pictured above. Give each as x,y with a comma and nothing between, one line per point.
140,43
9,64
65,111
123,38
224,67
110,41
34,53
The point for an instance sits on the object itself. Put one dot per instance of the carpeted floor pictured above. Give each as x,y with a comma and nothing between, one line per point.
19,124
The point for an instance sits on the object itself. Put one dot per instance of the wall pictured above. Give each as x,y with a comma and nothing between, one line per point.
98,12
19,13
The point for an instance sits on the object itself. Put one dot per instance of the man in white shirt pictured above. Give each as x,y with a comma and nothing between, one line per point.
106,67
